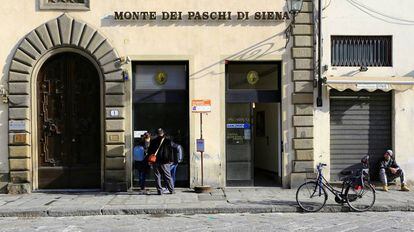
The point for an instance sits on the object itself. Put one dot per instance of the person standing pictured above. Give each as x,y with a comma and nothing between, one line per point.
140,163
161,147
178,158
389,169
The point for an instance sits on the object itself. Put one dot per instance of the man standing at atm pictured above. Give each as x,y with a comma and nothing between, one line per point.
161,147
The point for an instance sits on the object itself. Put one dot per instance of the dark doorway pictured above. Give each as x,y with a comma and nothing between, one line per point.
161,101
69,125
253,123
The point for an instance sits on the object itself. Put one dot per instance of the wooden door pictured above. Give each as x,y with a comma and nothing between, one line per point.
69,137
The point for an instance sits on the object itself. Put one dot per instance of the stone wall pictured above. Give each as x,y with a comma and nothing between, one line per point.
303,78
73,35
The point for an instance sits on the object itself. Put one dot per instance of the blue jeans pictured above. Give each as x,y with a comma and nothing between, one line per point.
142,176
386,175
173,170
142,170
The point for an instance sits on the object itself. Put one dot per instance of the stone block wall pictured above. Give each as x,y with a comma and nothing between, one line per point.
73,35
303,79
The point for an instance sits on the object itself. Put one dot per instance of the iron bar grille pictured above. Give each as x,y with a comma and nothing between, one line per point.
369,51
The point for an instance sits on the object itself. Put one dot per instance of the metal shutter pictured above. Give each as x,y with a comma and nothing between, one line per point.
360,124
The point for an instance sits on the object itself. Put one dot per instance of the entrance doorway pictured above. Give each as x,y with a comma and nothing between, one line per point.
161,101
253,124
69,125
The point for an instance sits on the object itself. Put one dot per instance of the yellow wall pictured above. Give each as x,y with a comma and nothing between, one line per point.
206,46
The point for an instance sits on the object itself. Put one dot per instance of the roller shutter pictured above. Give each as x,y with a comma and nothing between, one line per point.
360,124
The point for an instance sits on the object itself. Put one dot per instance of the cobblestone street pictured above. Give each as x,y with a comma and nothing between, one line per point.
390,221
185,201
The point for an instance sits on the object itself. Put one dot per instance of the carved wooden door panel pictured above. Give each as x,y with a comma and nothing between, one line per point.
68,123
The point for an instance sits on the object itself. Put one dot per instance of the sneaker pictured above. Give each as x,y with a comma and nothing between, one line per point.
385,188
404,188
159,192
173,192
165,190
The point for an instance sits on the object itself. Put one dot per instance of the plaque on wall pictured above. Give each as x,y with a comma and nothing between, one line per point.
17,125
64,4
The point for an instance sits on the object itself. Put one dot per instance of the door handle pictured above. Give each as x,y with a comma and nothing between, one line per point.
267,140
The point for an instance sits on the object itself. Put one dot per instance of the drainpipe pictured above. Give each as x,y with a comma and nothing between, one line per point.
319,98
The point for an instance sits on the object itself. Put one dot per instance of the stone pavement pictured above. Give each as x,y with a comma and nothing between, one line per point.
295,222
185,201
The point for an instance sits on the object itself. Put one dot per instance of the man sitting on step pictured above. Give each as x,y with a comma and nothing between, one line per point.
390,170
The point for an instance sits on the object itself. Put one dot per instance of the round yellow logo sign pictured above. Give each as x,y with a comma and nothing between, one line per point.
161,78
252,77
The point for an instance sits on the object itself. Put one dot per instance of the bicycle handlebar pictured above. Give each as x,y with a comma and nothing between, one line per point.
320,165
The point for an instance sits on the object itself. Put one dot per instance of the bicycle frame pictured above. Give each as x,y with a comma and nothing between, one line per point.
354,187
322,182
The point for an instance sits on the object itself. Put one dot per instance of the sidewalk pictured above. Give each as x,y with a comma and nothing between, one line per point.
185,201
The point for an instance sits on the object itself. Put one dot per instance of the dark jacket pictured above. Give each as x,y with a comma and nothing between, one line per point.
165,152
177,153
386,164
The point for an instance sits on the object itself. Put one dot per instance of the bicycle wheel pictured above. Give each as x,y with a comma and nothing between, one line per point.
360,198
310,197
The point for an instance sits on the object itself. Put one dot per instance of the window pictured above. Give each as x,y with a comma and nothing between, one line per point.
253,75
160,76
374,51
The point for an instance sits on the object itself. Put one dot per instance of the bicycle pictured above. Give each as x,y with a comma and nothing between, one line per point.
356,191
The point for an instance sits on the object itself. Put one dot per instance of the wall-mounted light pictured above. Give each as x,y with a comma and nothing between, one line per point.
294,6
122,60
125,60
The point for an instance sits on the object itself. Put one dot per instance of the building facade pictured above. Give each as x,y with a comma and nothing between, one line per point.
82,80
367,99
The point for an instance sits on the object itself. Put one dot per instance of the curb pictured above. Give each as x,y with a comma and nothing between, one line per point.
165,211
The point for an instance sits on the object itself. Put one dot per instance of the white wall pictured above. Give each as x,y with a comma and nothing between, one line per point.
373,17
403,132
377,17
266,156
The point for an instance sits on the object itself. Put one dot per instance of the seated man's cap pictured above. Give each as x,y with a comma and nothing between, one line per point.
389,152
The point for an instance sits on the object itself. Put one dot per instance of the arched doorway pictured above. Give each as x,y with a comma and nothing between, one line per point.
38,48
68,123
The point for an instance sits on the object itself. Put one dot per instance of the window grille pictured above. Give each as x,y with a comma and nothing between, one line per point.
370,51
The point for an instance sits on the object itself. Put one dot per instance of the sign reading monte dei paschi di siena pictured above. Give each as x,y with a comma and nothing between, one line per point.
197,15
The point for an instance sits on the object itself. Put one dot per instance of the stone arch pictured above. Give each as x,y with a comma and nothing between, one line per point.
67,34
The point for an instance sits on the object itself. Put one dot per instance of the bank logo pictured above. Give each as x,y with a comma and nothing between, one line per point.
252,77
161,77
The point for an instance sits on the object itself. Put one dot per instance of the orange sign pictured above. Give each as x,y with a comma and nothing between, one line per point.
19,138
201,106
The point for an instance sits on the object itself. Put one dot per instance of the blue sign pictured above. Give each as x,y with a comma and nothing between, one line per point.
200,145
238,126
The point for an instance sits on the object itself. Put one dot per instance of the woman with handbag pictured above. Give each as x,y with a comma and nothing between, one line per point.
160,151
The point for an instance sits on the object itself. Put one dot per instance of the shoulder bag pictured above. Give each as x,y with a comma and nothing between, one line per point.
153,157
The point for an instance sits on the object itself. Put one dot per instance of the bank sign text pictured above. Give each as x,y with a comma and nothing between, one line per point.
200,15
